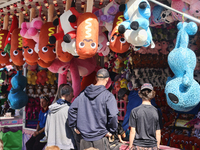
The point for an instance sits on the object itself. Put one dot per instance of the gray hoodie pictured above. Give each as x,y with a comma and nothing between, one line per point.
56,129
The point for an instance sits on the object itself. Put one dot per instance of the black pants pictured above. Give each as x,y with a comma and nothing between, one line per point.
101,144
34,142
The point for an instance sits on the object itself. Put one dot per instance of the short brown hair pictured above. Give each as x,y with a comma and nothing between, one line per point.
52,148
147,94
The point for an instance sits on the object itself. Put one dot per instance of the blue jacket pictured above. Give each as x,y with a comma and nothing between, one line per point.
94,113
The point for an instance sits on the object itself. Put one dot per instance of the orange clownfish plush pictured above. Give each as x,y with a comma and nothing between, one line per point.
118,43
87,35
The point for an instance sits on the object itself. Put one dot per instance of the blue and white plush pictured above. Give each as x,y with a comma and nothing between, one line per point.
17,97
136,13
182,91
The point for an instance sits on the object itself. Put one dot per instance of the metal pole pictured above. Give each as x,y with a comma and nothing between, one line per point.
184,14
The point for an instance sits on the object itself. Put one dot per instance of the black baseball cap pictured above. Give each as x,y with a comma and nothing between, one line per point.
103,73
122,92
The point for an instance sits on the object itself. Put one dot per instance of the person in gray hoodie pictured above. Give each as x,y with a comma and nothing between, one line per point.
93,114
57,129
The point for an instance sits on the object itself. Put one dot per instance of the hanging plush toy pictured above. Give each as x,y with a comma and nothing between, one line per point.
103,49
16,45
47,51
14,26
61,54
194,7
31,30
67,29
117,42
4,57
136,13
31,77
107,14
30,56
51,78
182,91
17,97
42,77
87,33
180,6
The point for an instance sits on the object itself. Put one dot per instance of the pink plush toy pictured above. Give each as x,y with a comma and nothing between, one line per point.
180,6
36,108
143,50
156,49
41,77
29,108
77,67
103,49
194,7
31,30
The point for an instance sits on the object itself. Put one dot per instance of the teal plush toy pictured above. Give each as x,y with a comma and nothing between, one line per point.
17,97
182,91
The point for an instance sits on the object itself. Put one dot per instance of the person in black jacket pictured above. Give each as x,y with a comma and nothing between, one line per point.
93,114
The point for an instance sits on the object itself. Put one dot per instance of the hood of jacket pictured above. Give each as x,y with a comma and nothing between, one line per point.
92,91
56,107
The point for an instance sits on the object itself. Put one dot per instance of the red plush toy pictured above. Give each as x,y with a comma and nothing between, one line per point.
41,77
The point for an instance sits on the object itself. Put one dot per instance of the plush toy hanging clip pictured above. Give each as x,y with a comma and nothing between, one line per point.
47,51
30,55
4,57
182,91
87,33
136,13
117,42
16,44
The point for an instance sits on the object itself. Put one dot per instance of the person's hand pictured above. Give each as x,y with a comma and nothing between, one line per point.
121,141
77,131
35,133
130,147
108,134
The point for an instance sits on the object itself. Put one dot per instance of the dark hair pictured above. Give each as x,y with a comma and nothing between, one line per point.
45,98
66,90
147,94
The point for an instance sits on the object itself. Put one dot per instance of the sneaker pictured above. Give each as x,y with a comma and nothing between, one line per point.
44,139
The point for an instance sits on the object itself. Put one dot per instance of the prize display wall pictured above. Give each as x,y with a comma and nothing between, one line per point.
50,42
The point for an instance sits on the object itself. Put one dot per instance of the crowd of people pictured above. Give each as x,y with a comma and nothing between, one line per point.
91,120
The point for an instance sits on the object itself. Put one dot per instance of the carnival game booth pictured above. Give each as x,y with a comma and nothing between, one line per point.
52,42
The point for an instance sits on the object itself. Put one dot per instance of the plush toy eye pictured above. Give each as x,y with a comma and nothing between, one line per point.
100,46
45,49
112,39
15,52
122,40
30,51
54,50
3,54
81,44
93,45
